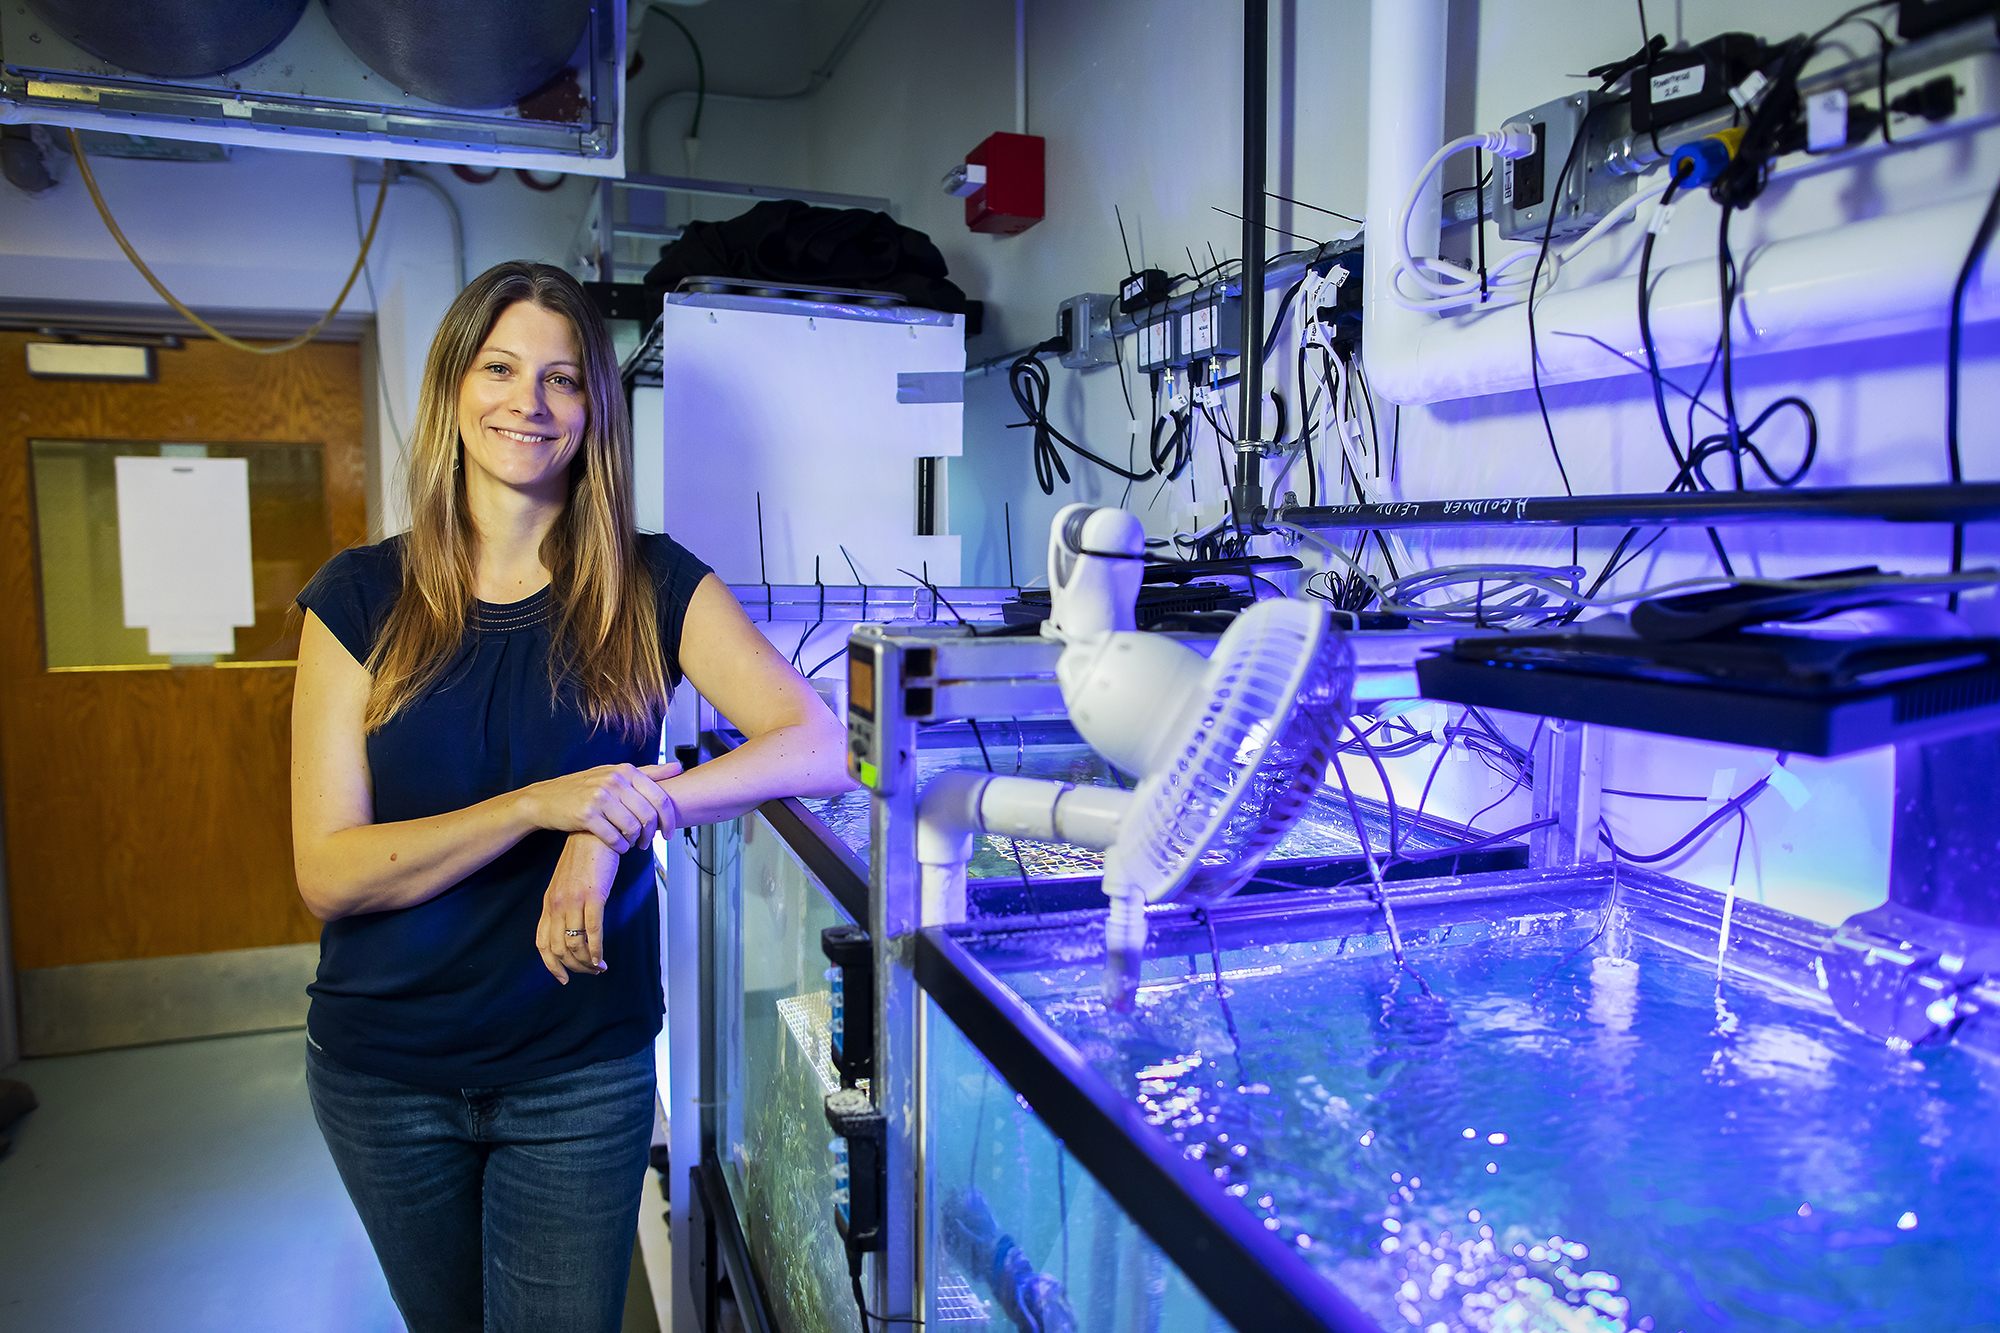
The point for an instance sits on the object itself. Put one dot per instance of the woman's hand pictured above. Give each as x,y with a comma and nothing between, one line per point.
621,804
570,935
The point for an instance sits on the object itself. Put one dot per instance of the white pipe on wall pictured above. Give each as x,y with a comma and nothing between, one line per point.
1858,280
1406,60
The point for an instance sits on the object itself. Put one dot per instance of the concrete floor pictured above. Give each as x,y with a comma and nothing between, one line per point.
184,1188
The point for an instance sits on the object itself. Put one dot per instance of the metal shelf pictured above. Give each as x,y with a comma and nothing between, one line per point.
1974,502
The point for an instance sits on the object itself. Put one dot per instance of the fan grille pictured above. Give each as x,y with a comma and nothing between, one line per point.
1274,698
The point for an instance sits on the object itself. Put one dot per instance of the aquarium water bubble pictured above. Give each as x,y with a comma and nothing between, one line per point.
1390,1244
1391,1224
1907,1222
1496,1139
1492,1168
1471,1133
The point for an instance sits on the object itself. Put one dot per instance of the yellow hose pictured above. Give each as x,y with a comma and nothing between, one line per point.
90,183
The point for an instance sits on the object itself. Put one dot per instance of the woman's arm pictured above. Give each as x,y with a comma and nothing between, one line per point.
795,746
348,864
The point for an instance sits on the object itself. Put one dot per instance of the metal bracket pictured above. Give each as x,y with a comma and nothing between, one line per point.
1569,768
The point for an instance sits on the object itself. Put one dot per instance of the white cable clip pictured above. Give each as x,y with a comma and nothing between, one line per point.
1661,216
1746,92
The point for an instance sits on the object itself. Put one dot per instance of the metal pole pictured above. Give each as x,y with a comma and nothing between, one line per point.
1248,492
1569,762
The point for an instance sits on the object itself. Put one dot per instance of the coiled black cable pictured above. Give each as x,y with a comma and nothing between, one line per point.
1736,440
1172,457
1028,379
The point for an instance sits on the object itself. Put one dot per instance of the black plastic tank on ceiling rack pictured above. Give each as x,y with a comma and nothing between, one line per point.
173,39
463,53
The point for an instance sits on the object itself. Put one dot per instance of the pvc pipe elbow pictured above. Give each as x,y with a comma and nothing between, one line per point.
948,816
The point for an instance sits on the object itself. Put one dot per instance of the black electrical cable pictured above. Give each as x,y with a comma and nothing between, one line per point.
1306,436
861,1304
1028,379
1737,440
838,652
1981,239
1548,234
1694,834
1178,451
1681,481
1368,401
1683,169
1479,224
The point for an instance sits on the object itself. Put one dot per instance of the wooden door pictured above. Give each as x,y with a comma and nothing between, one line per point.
148,809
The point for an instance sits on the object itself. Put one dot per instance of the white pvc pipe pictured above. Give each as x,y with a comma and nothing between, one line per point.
1406,58
1859,280
958,804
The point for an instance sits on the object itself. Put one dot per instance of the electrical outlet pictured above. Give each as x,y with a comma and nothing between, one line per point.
1528,191
1086,330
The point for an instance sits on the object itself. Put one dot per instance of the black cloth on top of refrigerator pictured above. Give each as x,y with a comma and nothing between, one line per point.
786,241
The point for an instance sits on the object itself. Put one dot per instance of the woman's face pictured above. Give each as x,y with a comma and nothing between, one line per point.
521,407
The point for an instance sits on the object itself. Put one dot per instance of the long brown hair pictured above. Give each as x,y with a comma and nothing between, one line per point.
605,635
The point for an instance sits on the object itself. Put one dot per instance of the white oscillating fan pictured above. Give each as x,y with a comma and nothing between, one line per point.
1227,750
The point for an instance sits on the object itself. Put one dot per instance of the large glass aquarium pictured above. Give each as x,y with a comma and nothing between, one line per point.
1563,1107
774,879
1498,1100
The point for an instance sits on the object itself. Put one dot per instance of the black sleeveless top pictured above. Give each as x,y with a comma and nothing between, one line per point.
451,992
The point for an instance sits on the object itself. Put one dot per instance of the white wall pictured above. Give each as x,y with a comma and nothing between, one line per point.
277,231
1141,104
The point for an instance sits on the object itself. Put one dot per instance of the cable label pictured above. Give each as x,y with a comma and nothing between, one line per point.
1744,93
1661,216
1826,121
1679,83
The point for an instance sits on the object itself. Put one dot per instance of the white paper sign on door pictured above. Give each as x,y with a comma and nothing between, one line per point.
184,551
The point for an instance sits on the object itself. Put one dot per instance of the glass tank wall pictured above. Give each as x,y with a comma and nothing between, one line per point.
770,1069
1018,1235
1555,1113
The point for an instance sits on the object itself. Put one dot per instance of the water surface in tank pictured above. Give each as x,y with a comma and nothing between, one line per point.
1549,1121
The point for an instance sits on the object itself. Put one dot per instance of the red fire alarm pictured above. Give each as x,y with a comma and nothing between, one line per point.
1010,202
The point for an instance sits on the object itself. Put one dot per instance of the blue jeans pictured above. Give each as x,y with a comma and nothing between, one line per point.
495,1209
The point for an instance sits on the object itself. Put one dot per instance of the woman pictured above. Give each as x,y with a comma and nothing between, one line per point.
474,799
